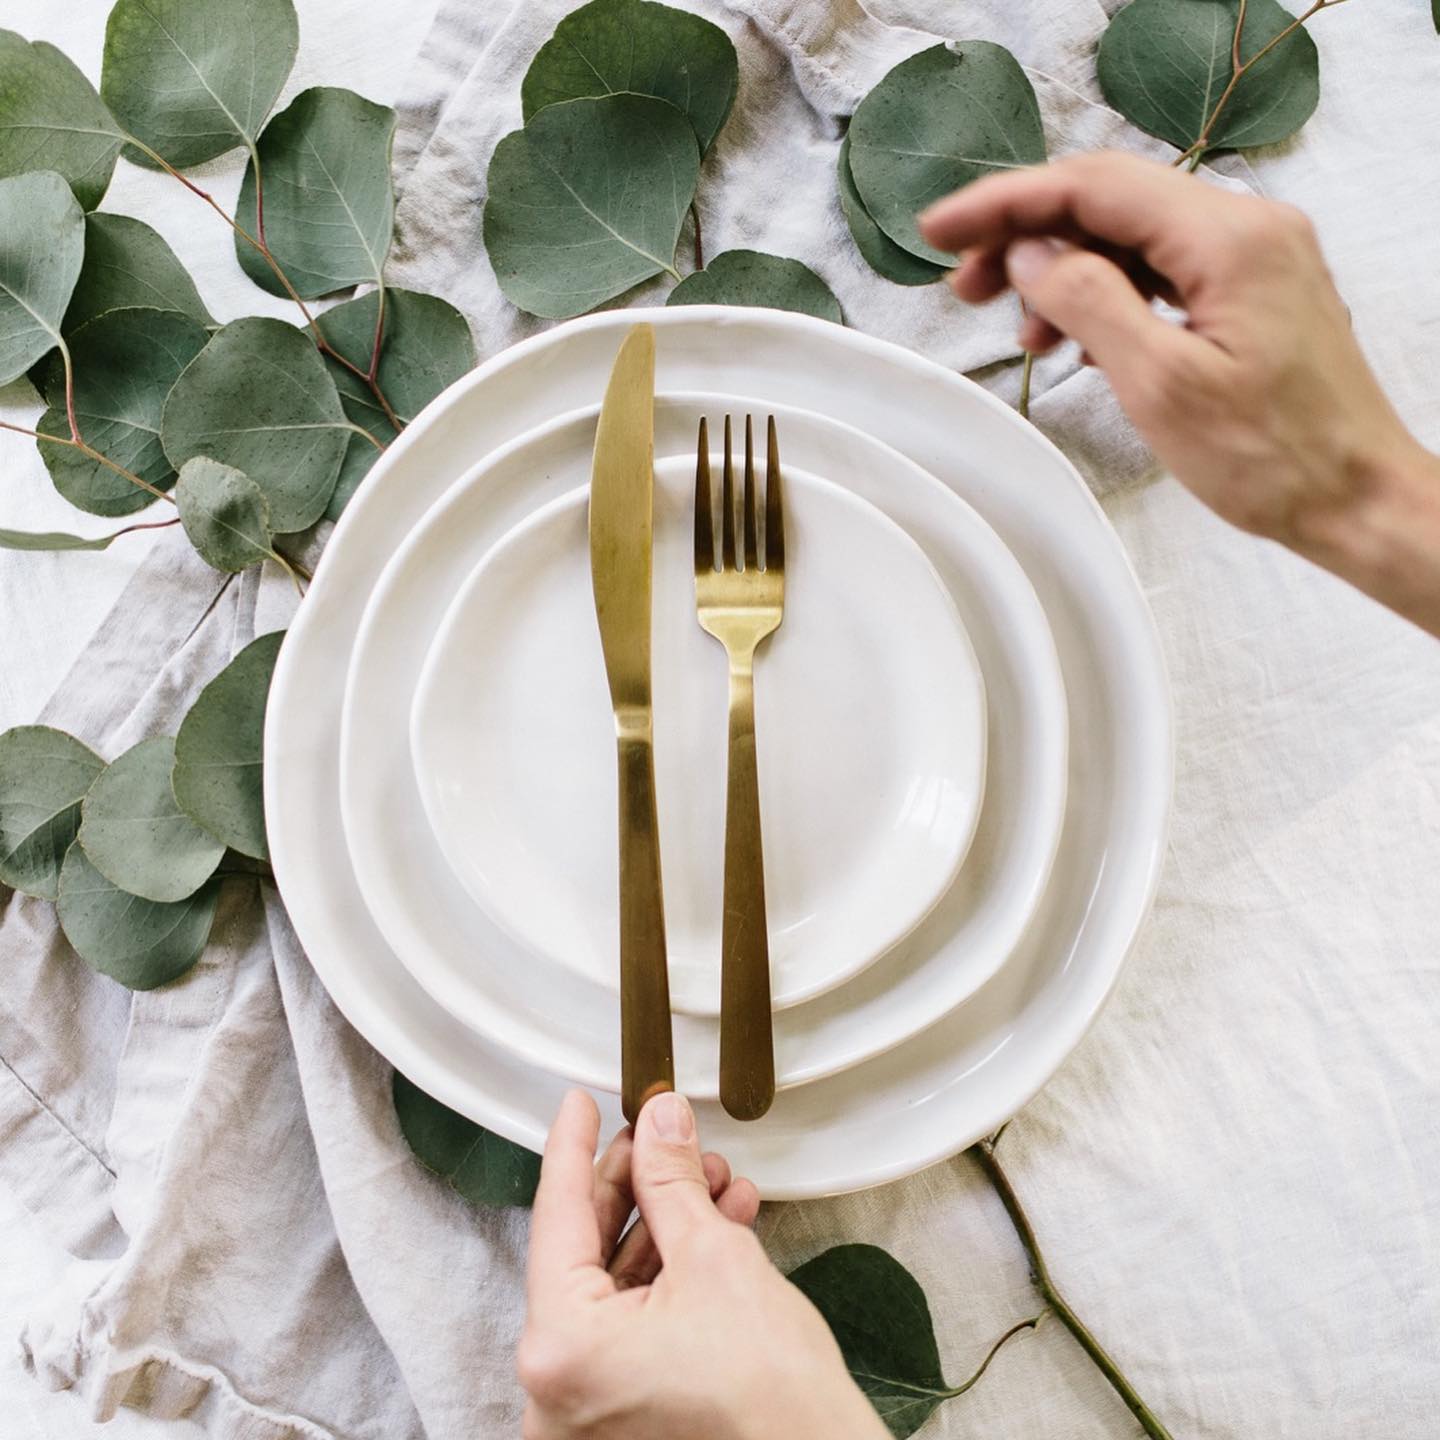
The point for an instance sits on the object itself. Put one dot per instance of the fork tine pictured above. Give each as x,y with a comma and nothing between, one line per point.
704,522
727,500
752,550
774,511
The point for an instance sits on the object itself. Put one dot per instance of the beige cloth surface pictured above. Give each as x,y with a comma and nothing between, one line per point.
1233,1176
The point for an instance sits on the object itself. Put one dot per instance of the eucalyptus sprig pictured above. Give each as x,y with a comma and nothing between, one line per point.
590,197
102,315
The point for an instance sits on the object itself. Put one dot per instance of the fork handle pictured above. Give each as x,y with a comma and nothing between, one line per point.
747,1051
647,1063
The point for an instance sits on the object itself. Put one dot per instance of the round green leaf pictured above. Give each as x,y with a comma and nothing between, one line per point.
44,775
128,264
52,119
137,942
749,277
195,78
125,362
936,122
135,834
425,346
1163,64
612,46
224,513
484,1168
881,1319
219,750
587,201
329,207
42,244
879,251
259,398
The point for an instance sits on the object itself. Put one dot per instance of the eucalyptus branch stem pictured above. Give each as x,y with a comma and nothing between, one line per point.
361,430
1192,155
258,243
699,246
76,441
1149,1422
1023,404
995,1349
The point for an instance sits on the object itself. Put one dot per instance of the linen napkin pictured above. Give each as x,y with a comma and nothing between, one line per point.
1231,1174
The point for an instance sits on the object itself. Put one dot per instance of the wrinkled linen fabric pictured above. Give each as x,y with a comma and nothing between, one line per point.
1233,1176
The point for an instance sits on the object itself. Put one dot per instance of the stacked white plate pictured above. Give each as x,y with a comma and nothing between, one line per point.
963,725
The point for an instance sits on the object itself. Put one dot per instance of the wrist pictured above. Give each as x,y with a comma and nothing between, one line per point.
1384,538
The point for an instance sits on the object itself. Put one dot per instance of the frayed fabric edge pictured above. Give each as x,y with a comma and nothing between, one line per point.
162,1386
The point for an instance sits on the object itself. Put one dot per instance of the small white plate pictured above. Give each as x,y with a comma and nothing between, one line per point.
554,1018
870,718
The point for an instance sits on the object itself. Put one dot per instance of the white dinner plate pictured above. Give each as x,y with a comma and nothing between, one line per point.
870,713
964,1075
510,995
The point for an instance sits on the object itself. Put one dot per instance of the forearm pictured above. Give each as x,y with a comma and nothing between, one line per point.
1385,539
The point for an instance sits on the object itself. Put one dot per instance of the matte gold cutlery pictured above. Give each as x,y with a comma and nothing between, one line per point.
621,521
740,602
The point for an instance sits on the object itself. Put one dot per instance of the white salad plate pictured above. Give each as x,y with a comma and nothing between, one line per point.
869,706
556,1019
962,1076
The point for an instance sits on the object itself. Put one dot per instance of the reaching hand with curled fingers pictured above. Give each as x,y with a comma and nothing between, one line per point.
1261,401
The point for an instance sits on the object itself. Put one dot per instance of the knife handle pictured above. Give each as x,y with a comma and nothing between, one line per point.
647,1062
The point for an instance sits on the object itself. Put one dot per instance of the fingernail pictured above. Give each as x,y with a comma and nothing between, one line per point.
1026,261
672,1118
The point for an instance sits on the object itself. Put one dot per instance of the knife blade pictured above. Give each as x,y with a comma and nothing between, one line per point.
621,524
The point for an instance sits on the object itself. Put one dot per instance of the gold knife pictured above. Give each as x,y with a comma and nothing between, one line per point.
621,498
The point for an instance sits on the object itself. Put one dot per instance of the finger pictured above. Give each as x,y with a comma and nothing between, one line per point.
1090,299
740,1203
636,1260
614,1197
1168,217
669,1178
564,1232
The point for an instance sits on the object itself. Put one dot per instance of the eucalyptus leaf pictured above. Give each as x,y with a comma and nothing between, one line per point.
195,78
218,752
1164,64
128,264
484,1168
881,1320
587,201
613,46
225,514
42,245
750,277
137,942
329,207
260,399
135,834
44,775
878,250
936,122
425,347
125,363
55,540
52,119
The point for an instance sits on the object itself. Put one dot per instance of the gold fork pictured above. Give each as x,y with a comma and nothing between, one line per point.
740,603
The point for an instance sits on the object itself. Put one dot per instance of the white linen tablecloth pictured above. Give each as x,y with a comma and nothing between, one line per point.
1232,1178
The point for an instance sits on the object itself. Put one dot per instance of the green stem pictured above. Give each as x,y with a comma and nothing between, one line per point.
1149,1422
258,242
995,1349
1191,156
1023,404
